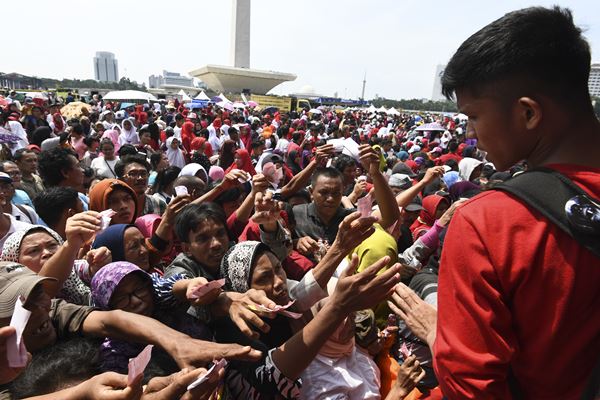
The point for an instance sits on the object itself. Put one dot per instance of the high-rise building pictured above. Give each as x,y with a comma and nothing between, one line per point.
437,84
594,80
106,67
169,79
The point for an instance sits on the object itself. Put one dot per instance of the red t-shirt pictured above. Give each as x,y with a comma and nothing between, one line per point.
516,294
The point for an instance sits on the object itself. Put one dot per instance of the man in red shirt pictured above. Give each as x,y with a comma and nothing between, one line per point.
519,299
451,155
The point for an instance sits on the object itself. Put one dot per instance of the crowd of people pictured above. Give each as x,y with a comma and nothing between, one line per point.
311,249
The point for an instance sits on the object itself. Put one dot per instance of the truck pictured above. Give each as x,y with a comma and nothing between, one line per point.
283,103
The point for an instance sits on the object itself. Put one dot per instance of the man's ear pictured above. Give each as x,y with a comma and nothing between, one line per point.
530,112
71,212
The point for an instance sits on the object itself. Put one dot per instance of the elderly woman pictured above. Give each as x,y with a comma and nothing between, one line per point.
36,247
290,344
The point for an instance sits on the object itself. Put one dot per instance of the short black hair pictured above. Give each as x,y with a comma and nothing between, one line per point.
62,365
127,150
343,161
52,202
328,172
40,134
537,45
193,215
165,177
130,159
52,163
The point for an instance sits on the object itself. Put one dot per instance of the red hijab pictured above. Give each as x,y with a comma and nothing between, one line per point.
187,135
427,217
246,162
197,144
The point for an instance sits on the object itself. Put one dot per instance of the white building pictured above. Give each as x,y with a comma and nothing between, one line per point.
170,79
106,67
594,80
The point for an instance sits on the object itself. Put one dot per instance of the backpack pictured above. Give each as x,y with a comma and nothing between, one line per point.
561,201
568,206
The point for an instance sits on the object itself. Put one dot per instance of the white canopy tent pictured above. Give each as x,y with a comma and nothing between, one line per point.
202,96
393,111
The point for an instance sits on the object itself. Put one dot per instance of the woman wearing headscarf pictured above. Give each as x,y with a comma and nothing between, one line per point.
469,169
290,345
187,135
124,286
293,162
200,145
174,153
227,154
433,208
242,161
35,246
129,133
113,135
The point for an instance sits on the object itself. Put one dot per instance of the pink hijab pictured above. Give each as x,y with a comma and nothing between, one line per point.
113,135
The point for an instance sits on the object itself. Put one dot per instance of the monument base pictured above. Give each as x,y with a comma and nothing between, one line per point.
225,79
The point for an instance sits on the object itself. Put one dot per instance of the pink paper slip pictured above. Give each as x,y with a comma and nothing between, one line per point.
138,365
180,190
365,206
214,370
16,353
281,310
106,216
405,350
201,290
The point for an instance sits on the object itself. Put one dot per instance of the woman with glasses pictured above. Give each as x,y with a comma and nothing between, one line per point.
124,286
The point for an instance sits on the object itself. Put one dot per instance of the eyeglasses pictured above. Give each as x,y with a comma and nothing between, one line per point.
137,174
14,173
141,293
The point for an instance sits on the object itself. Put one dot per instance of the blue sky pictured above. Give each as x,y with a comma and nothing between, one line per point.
328,44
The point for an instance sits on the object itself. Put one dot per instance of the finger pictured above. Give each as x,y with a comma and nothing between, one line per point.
6,332
409,296
374,268
244,327
352,266
114,380
397,311
260,297
347,222
400,303
86,225
421,376
92,219
410,361
245,353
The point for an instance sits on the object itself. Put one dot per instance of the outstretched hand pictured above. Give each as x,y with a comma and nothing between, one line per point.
420,317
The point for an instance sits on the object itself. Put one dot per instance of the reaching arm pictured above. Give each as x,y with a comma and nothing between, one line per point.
79,229
352,293
302,179
230,180
404,198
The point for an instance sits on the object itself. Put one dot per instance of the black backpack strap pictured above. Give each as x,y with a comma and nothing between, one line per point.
26,212
548,191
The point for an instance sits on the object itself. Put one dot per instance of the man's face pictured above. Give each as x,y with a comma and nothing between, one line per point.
28,163
36,112
7,191
208,243
39,332
74,174
327,195
497,127
13,171
136,176
123,204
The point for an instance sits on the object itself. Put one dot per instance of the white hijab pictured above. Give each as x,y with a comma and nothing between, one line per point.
129,136
466,167
175,156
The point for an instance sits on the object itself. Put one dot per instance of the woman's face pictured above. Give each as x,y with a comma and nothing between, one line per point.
268,275
133,294
135,248
238,161
36,249
441,209
127,125
145,138
175,144
108,150
123,204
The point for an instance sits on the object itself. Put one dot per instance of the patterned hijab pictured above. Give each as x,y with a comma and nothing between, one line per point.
236,266
106,280
12,246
